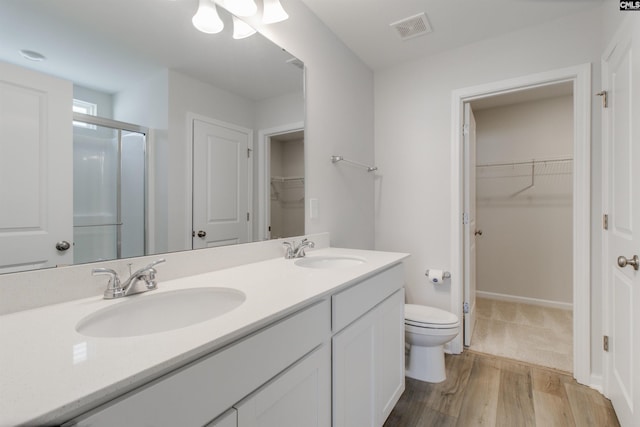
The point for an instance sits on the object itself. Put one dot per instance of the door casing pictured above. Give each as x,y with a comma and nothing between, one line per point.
580,75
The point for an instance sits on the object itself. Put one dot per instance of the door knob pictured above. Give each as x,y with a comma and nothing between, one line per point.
478,233
63,245
202,233
634,262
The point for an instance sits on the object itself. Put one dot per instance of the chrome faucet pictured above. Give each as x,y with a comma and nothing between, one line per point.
294,250
116,289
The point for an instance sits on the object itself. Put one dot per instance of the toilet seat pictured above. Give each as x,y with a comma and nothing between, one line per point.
423,316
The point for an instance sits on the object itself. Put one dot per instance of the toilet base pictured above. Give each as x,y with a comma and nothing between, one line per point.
426,364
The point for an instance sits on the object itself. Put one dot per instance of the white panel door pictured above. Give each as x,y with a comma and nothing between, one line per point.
220,185
622,68
470,230
36,169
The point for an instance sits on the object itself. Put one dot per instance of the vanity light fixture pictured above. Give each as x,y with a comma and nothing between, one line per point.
208,21
241,29
273,12
240,7
206,18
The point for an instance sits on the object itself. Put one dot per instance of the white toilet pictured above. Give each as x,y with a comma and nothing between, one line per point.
427,330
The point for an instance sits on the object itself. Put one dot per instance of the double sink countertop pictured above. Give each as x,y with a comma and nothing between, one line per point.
50,373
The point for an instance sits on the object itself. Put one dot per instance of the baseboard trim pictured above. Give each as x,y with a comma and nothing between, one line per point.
596,383
525,300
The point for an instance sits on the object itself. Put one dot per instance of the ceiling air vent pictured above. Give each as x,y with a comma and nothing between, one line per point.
413,26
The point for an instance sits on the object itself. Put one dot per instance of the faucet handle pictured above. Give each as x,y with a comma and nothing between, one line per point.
148,274
154,263
114,289
288,249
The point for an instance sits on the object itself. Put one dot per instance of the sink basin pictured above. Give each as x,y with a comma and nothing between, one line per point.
152,313
328,262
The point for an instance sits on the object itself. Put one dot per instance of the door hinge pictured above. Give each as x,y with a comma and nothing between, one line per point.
465,308
249,150
465,218
247,216
605,221
465,129
605,343
605,100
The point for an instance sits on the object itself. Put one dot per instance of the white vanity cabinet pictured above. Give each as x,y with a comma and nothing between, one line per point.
200,392
368,352
337,362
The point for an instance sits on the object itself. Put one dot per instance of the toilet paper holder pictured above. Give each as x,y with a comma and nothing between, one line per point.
445,274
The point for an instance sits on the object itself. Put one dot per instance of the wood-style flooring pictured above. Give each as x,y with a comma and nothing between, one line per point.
484,390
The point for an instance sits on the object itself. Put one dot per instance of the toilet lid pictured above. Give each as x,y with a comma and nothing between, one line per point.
416,314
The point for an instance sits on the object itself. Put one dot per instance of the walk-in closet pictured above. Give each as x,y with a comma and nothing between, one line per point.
524,202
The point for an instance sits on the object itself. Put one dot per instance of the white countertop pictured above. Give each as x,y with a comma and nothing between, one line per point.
49,372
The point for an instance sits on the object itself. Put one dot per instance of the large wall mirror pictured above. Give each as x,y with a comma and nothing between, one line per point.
125,131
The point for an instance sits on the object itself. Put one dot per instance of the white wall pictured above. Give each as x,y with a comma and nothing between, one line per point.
339,121
526,246
413,137
146,104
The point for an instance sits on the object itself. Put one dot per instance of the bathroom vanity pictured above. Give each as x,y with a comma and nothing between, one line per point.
316,341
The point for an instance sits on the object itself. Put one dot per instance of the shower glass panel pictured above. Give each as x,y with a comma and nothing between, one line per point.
109,161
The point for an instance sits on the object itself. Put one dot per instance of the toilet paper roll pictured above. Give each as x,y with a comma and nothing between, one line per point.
435,276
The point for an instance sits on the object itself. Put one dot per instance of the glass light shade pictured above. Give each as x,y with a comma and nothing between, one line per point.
273,12
241,29
207,19
240,7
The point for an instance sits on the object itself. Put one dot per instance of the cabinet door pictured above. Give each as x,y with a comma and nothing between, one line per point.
354,374
368,365
300,396
390,352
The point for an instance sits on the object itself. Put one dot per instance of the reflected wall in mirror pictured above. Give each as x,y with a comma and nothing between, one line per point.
180,145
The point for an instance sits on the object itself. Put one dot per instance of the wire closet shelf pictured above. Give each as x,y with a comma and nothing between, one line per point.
535,167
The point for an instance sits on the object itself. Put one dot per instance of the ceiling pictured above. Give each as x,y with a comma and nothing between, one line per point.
363,25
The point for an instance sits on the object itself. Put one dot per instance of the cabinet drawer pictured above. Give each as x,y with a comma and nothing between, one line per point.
353,302
202,390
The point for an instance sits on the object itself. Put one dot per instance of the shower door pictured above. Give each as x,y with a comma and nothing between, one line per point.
109,189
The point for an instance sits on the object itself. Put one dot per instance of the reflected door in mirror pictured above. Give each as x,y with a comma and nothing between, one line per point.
35,170
220,184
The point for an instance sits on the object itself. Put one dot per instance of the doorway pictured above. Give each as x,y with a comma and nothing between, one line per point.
523,233
580,78
281,183
286,193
